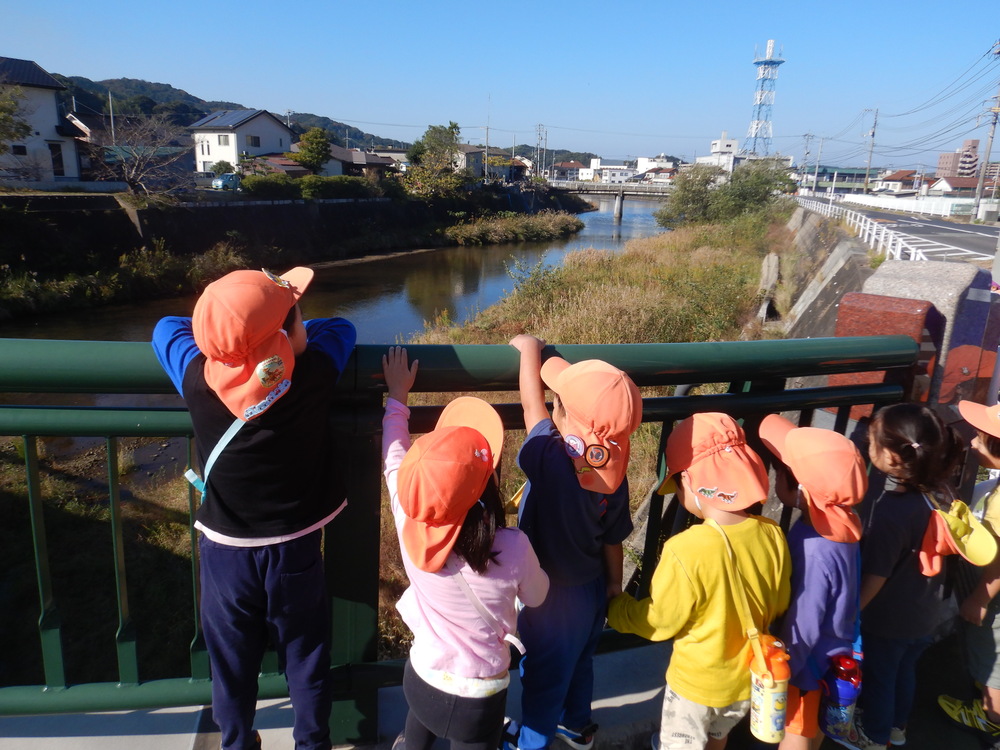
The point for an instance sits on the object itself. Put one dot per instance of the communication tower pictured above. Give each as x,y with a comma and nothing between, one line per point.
758,139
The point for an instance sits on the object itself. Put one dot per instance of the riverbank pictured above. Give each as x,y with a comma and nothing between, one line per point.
39,282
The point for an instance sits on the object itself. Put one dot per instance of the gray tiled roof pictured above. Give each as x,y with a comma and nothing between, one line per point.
26,73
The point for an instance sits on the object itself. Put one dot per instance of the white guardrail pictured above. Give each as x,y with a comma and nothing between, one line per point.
881,237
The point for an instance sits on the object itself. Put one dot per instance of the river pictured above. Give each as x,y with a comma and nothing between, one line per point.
387,298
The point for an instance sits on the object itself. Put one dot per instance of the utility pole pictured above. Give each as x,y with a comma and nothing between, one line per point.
986,160
871,148
819,156
111,109
805,155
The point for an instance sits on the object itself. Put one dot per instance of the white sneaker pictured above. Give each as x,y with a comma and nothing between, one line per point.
897,737
581,739
856,739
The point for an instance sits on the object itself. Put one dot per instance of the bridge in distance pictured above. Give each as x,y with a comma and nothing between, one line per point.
632,189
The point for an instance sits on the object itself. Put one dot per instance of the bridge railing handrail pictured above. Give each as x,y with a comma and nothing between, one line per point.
753,376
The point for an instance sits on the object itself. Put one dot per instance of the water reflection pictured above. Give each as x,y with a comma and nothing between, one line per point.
388,298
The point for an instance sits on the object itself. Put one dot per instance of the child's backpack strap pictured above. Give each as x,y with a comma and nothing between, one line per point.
476,602
740,596
192,476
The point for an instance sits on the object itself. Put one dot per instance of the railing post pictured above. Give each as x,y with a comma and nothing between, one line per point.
352,550
128,663
49,622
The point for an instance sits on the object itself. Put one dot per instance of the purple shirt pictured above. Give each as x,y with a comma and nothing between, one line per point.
821,620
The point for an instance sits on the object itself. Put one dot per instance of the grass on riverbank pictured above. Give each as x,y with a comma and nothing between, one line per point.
156,272
156,547
509,226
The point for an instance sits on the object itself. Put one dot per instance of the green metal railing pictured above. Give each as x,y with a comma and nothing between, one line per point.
754,376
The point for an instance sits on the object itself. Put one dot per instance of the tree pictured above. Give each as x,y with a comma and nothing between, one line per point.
179,113
701,195
755,184
314,150
436,172
144,155
222,167
13,126
135,105
690,199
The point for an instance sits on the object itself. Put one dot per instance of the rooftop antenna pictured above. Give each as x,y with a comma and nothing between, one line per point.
758,140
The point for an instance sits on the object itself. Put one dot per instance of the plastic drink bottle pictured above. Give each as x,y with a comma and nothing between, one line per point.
841,686
769,690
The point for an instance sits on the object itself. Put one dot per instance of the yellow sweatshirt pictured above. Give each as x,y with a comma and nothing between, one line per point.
690,601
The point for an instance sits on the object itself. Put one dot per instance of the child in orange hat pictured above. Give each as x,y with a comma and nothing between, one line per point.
465,568
822,474
575,510
981,607
716,477
259,382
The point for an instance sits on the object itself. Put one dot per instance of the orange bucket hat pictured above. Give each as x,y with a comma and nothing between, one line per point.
603,408
984,418
830,470
722,469
443,475
237,326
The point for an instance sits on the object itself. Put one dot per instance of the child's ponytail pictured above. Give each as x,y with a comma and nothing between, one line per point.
475,540
927,450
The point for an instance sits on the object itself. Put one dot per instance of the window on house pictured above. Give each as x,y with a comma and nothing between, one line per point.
18,150
55,149
224,140
253,141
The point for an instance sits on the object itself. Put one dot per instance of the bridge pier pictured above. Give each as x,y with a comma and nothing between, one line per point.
619,205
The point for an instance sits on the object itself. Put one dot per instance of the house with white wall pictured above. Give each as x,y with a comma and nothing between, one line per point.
647,163
236,134
895,181
48,153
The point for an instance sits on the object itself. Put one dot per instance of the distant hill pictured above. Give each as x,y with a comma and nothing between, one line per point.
135,96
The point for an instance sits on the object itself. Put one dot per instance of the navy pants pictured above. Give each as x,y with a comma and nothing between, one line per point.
557,672
888,683
468,723
253,596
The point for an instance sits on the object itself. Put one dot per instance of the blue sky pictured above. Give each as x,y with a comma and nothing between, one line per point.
621,79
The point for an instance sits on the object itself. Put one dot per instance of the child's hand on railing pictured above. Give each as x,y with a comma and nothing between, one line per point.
525,341
399,375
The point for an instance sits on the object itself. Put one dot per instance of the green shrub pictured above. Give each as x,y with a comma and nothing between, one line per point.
272,187
507,226
222,258
340,186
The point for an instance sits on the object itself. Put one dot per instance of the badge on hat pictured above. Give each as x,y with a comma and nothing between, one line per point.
270,372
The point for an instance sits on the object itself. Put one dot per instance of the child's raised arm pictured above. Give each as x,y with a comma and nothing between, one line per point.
530,379
399,375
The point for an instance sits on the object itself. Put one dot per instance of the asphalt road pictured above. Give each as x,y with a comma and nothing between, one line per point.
980,240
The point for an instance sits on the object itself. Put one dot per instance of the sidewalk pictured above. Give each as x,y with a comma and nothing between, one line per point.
627,695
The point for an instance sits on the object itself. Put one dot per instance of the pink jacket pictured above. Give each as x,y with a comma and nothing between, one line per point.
449,635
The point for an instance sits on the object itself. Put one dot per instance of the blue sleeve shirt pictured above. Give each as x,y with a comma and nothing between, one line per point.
568,526
173,342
